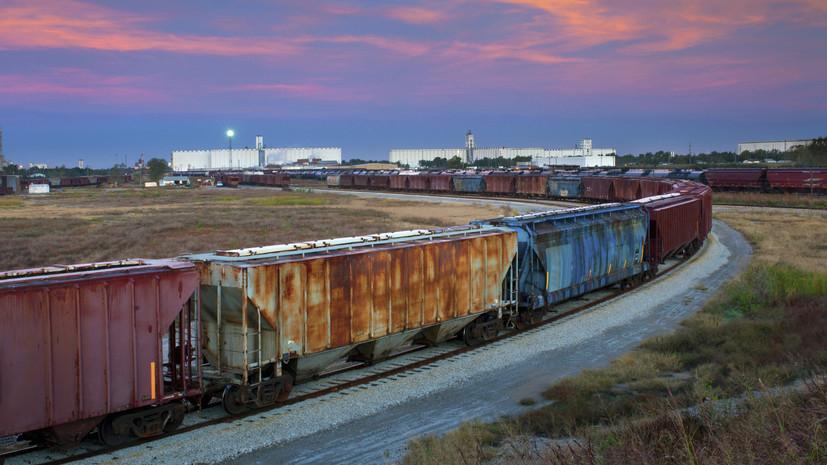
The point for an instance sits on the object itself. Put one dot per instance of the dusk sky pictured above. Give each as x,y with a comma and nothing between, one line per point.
101,80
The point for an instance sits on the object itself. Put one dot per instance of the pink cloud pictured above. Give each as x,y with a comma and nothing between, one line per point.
72,84
415,15
312,91
72,24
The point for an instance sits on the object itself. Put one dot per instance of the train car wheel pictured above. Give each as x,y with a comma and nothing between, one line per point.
107,434
230,400
174,421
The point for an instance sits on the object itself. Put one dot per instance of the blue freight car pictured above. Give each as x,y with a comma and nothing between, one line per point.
564,186
570,252
469,184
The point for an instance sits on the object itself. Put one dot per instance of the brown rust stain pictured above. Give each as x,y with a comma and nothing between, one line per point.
339,276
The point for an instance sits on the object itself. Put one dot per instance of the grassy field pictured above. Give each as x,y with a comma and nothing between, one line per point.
707,393
770,200
94,224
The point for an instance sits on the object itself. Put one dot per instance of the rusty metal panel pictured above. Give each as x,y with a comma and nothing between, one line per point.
596,187
398,182
477,265
446,284
292,312
360,300
339,276
318,301
430,292
78,342
397,283
462,279
415,287
380,302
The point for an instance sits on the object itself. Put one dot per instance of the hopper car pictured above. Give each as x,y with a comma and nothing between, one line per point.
126,348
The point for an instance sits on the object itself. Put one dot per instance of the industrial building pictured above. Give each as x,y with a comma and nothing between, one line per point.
260,156
584,155
769,146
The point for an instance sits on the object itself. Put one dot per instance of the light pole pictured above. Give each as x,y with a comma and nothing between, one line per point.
230,134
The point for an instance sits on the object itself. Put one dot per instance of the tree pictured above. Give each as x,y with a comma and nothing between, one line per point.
157,168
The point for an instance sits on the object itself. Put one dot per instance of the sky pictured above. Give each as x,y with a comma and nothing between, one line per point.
107,81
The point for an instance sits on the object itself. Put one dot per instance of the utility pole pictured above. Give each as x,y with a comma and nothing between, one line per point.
690,155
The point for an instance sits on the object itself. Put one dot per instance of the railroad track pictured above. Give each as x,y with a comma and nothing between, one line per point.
342,379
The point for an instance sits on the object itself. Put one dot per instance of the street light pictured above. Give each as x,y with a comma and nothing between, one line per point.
230,134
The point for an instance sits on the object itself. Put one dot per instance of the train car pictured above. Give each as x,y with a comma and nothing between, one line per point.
398,183
532,185
598,188
379,182
564,186
333,180
440,183
805,180
501,184
564,253
346,180
675,222
419,182
361,181
469,184
277,315
627,188
737,179
111,345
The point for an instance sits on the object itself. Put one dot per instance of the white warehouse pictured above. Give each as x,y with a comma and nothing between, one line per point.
260,156
769,146
582,156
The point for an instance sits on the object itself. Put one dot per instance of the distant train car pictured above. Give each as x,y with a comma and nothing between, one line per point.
111,345
674,225
469,184
504,184
805,180
598,188
737,179
440,183
564,186
532,185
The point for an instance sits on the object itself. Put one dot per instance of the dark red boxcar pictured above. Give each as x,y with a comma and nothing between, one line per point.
798,180
627,188
80,343
674,225
748,178
346,180
361,181
598,187
532,185
419,182
379,181
440,182
501,184
399,182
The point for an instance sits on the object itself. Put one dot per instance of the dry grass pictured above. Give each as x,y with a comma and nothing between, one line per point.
87,225
796,239
770,200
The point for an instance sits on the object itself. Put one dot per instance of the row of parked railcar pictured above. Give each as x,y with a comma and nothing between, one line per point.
118,347
257,179
73,182
802,180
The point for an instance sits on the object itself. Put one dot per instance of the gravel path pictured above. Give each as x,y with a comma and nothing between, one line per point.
370,424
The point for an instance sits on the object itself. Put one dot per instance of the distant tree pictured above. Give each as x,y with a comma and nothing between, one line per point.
157,167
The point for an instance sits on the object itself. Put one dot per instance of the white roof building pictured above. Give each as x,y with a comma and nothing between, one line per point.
240,158
769,146
582,156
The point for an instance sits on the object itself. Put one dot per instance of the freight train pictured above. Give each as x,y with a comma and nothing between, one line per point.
126,348
567,184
